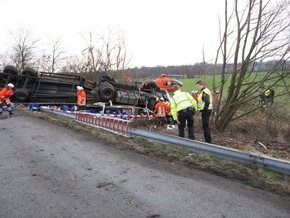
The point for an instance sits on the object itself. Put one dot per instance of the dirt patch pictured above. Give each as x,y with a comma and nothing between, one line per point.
256,139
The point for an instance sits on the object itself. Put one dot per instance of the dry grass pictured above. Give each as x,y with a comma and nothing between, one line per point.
270,128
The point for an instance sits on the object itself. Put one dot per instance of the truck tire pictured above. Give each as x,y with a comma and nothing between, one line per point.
104,76
10,70
107,92
29,72
21,95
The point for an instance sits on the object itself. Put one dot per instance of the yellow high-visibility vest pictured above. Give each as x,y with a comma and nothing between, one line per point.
201,103
181,101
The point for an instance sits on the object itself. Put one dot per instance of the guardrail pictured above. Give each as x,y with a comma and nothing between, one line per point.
275,164
122,127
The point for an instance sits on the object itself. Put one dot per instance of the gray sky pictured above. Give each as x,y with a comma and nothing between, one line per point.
157,32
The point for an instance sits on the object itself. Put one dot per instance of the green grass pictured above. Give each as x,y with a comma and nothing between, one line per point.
281,91
190,84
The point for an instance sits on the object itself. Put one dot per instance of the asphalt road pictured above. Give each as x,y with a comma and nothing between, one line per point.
51,171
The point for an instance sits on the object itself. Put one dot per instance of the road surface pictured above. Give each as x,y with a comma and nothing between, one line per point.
51,171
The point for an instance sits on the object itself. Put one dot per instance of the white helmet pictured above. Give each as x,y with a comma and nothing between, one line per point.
10,85
161,99
80,88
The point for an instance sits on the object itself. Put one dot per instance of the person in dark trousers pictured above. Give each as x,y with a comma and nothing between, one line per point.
266,96
204,105
183,107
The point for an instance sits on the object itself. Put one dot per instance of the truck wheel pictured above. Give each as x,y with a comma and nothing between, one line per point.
107,92
21,95
11,70
29,72
104,76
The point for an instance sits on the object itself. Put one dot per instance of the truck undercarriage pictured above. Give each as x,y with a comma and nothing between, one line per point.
60,88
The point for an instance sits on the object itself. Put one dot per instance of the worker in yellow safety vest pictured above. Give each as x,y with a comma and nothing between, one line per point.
204,105
183,107
266,96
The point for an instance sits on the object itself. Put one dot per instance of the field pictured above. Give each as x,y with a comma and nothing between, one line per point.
189,84
282,91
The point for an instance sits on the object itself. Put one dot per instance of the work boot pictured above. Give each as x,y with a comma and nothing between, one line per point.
0,113
11,113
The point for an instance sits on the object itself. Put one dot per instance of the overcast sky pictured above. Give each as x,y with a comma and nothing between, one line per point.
157,32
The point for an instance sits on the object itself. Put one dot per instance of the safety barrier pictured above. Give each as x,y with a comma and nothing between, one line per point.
121,126
112,124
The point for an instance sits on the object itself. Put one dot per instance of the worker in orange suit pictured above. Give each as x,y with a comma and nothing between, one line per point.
160,110
5,95
81,98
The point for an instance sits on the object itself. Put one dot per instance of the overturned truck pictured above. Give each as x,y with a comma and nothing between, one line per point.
60,88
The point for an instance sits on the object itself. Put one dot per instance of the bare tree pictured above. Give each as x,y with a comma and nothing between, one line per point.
122,59
73,65
24,49
52,61
252,35
92,56
116,57
106,53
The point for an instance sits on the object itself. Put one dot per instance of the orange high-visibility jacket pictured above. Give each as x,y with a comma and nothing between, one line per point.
81,98
5,94
160,108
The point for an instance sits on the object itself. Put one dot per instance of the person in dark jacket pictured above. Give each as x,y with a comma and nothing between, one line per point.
204,105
